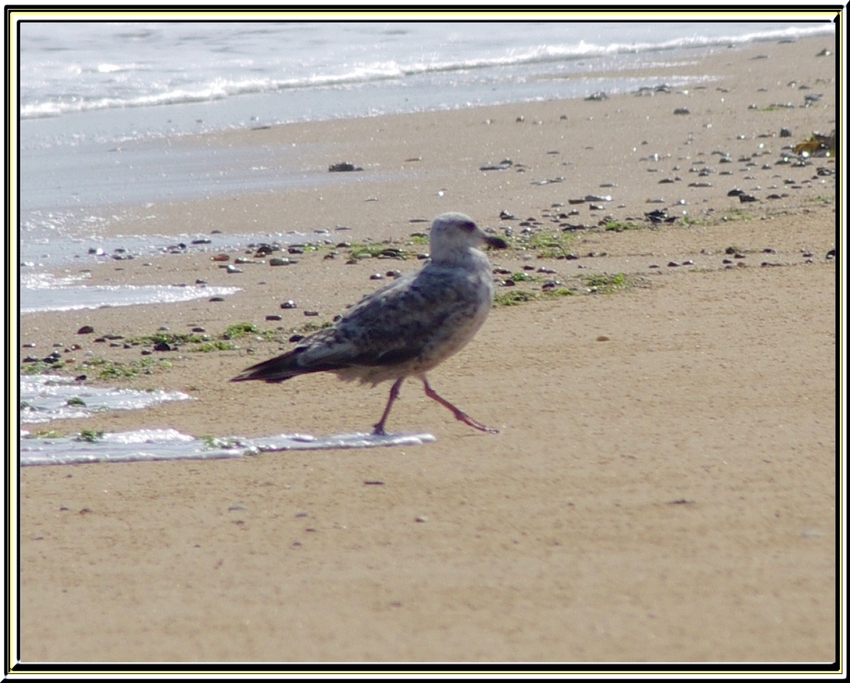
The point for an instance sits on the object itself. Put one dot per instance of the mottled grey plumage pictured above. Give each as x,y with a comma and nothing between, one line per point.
407,327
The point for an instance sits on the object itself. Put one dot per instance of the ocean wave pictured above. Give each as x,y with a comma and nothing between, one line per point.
374,72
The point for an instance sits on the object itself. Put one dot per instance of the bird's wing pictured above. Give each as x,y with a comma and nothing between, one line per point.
387,327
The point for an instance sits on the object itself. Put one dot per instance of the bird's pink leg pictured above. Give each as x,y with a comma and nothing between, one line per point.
458,413
379,428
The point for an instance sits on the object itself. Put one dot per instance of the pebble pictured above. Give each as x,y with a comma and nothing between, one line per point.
85,329
289,303
343,167
280,262
501,166
311,313
216,298
376,276
221,257
681,111
233,269
274,316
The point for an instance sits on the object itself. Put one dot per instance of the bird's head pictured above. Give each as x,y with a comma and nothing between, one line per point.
452,234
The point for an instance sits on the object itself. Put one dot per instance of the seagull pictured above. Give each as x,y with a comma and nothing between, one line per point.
408,327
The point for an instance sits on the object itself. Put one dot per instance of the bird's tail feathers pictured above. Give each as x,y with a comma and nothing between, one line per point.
278,369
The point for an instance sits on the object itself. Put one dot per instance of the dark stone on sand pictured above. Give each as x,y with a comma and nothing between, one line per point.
746,198
216,298
162,346
274,316
85,329
289,304
343,167
501,166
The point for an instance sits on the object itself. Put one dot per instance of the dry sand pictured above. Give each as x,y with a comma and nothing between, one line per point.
663,486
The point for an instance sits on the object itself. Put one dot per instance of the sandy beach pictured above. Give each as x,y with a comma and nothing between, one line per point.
663,486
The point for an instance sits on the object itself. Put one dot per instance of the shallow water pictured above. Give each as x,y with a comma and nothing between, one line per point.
169,444
54,397
70,298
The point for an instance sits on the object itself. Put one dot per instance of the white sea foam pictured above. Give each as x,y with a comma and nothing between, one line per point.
54,397
169,444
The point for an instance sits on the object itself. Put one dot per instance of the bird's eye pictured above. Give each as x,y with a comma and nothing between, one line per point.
467,226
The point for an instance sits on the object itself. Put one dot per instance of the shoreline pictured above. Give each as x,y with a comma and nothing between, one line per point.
644,499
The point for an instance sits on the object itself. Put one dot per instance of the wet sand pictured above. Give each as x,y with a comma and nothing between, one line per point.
663,486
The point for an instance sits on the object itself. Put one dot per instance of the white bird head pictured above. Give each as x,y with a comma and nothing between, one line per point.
453,234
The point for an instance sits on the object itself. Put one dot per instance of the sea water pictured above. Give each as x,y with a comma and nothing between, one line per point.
103,105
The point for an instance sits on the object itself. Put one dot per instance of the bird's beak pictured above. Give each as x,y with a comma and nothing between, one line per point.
495,242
